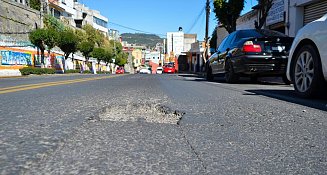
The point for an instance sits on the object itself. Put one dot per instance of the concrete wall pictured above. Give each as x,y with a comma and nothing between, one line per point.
17,18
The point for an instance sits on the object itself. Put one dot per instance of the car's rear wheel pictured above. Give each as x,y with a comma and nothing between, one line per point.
307,74
230,75
209,75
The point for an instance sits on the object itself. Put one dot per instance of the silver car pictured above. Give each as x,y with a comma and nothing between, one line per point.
307,62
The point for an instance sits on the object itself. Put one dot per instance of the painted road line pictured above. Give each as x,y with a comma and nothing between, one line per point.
48,84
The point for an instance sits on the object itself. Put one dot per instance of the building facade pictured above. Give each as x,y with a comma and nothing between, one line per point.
85,15
285,16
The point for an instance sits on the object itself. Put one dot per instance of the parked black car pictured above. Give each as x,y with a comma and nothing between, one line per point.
253,53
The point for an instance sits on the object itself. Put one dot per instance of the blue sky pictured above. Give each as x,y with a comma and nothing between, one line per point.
157,16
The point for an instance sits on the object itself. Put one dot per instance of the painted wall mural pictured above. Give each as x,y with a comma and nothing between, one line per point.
15,58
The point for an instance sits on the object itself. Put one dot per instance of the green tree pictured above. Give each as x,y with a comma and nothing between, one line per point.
99,38
227,12
35,4
213,39
53,23
51,38
37,38
108,55
86,48
90,33
263,7
99,54
68,42
81,35
121,59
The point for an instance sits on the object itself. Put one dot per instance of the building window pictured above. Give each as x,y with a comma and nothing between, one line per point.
99,22
56,13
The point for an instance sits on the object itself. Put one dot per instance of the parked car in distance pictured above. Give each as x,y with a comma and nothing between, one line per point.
307,62
253,53
120,70
169,68
159,70
145,70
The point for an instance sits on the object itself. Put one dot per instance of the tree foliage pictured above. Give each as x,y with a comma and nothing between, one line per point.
263,8
121,59
213,39
35,4
51,38
86,48
67,42
37,38
227,12
99,54
53,23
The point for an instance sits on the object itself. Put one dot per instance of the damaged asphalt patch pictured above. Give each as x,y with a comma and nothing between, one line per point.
151,113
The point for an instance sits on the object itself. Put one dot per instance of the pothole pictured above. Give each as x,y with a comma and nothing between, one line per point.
152,113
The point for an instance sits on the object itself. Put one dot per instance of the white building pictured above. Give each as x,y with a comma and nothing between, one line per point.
175,42
301,12
286,16
85,15
113,34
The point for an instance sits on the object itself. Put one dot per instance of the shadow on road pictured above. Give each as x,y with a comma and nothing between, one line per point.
291,96
280,94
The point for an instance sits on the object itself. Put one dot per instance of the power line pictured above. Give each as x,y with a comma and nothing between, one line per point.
137,30
197,19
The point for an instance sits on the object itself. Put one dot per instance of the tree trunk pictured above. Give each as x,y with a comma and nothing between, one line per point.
42,57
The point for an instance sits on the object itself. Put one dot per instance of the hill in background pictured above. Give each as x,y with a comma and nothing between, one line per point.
149,40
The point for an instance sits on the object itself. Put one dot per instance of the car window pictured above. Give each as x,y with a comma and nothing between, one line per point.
258,33
271,33
221,46
229,41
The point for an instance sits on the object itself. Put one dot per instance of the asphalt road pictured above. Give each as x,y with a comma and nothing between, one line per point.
158,124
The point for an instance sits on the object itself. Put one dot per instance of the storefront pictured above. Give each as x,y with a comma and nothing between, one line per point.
314,11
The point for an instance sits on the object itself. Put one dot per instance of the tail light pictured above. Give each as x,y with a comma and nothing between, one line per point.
250,47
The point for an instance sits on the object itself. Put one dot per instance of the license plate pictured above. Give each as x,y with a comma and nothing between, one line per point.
278,48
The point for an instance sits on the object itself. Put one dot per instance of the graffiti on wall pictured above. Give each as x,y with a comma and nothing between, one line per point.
59,62
15,58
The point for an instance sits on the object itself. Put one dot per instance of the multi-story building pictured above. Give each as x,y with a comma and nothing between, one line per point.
189,39
175,42
137,54
63,10
300,12
85,15
114,35
286,16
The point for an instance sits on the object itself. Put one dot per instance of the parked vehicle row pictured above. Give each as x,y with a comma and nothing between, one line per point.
257,53
252,53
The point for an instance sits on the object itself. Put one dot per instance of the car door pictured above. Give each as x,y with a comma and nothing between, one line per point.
224,52
214,62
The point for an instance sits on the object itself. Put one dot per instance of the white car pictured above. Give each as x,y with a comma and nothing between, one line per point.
307,61
145,70
159,70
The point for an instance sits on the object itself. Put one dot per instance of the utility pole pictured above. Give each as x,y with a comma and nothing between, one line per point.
206,39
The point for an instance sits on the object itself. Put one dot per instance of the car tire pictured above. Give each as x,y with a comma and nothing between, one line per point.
230,75
307,73
209,75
